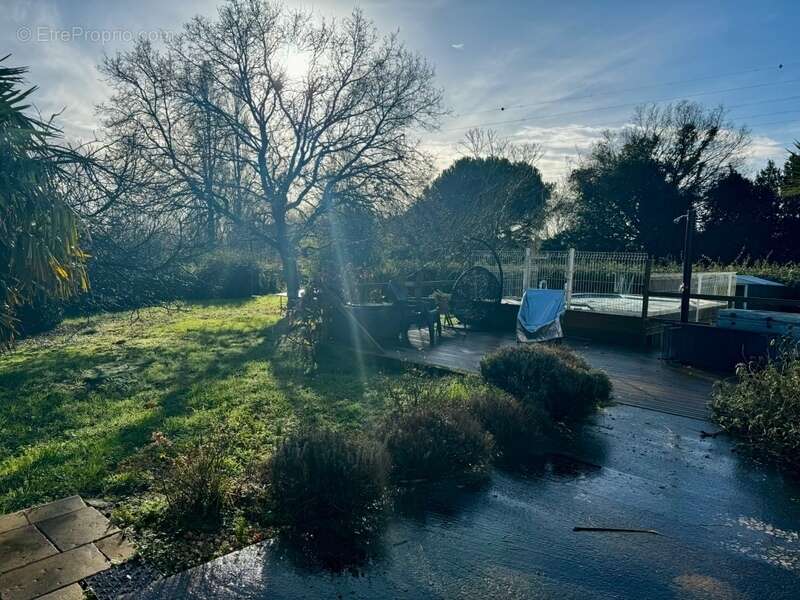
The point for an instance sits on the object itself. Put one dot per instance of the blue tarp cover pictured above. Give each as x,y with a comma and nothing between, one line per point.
539,316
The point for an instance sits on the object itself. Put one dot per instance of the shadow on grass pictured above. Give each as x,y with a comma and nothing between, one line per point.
57,400
76,407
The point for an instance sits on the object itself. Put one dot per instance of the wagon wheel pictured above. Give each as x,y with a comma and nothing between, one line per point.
474,293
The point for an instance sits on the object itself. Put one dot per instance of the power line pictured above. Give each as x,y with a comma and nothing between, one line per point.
769,100
769,114
622,122
779,68
783,122
623,105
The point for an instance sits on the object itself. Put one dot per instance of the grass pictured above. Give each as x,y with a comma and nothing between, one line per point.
80,402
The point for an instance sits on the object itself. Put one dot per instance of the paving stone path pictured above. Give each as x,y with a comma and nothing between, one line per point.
46,550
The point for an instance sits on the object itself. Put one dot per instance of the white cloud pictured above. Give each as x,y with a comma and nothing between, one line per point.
761,149
562,146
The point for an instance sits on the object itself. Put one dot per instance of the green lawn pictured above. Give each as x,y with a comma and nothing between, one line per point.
77,402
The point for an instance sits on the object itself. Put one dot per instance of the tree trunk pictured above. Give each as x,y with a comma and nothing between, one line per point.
291,276
211,226
288,256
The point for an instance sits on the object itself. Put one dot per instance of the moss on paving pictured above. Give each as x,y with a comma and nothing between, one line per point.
79,401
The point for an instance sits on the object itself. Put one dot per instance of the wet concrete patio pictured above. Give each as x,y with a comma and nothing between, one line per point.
726,529
640,377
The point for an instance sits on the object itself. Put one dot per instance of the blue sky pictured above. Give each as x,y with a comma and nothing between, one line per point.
578,67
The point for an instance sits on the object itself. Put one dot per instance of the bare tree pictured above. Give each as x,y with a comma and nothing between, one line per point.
694,144
487,143
307,115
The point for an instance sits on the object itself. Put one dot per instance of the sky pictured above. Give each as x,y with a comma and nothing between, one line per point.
555,73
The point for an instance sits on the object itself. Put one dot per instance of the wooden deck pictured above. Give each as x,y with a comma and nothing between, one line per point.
640,378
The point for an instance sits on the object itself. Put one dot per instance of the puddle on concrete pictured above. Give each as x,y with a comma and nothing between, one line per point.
704,587
762,541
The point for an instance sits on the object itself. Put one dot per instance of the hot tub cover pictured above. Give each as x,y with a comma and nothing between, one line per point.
539,316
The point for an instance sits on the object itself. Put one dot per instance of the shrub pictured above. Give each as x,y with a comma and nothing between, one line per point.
42,314
196,480
763,406
232,275
557,379
518,430
323,483
428,443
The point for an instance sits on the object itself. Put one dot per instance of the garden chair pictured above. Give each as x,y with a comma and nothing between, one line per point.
416,312
539,316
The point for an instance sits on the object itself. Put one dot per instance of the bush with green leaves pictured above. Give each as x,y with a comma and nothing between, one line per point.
555,378
324,483
518,430
763,406
228,274
436,442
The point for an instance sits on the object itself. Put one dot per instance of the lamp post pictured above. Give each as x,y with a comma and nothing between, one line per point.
686,285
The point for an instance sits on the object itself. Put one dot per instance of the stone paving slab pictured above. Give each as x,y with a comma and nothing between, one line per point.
54,509
53,573
77,528
116,548
22,546
71,592
12,521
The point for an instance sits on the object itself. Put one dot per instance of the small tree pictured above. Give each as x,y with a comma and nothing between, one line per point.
484,195
740,219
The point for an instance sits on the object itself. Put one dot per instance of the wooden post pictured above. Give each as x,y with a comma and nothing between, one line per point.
570,276
526,270
648,269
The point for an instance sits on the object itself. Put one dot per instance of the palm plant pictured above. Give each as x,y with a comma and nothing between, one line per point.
39,233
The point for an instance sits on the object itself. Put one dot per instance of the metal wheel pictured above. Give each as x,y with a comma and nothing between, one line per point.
475,294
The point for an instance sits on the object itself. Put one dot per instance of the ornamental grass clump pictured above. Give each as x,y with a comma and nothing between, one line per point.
428,443
324,483
518,430
196,480
763,406
554,378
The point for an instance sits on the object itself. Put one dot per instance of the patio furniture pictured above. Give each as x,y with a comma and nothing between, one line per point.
443,304
373,322
475,297
539,316
415,312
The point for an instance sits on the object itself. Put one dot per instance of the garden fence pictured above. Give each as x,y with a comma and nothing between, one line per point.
602,282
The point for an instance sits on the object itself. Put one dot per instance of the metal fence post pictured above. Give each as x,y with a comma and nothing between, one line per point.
526,270
570,276
699,291
648,269
686,286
